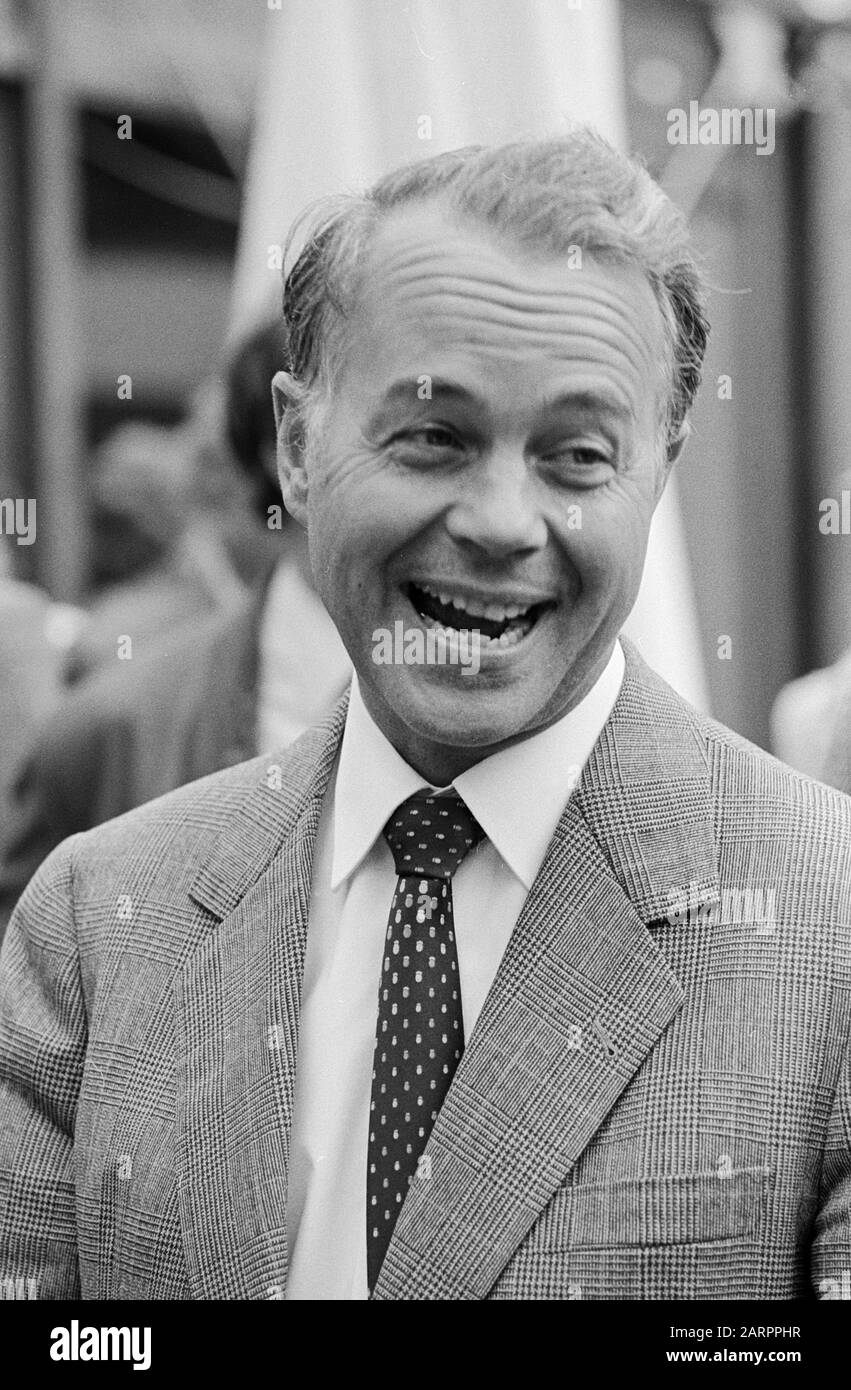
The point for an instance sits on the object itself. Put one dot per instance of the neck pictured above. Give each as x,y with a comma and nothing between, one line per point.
295,541
440,763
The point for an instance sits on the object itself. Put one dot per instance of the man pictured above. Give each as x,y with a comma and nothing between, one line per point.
248,678
465,996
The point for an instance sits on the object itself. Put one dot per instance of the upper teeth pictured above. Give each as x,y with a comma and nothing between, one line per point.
495,612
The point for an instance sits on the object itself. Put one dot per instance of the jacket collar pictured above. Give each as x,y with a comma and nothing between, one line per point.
286,791
645,795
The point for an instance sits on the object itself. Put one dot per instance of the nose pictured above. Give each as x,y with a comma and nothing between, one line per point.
498,512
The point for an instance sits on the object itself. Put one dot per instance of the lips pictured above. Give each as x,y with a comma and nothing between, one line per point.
504,620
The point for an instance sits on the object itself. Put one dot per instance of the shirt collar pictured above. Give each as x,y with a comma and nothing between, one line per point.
516,795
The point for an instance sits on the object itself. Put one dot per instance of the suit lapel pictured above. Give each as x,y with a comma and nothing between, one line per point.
237,1005
581,997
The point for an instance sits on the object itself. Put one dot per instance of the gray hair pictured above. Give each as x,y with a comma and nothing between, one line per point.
547,196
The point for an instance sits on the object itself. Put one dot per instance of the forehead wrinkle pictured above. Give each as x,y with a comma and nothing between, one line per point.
593,341
499,259
533,298
513,271
543,326
593,310
454,356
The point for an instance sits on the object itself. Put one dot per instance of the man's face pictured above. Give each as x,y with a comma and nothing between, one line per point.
489,460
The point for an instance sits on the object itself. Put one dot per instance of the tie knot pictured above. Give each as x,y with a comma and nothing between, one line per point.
429,835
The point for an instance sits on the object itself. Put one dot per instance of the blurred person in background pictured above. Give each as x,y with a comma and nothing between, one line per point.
811,724
159,560
35,633
221,688
838,762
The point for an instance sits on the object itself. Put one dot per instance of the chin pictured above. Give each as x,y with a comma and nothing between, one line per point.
463,712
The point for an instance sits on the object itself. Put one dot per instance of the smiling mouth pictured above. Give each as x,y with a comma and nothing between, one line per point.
503,624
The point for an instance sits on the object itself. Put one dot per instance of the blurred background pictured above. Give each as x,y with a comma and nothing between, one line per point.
152,156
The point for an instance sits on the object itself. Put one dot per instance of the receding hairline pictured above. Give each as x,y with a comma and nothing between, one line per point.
542,197
437,207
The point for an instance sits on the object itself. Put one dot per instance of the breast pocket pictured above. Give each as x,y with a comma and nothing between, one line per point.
675,1236
673,1209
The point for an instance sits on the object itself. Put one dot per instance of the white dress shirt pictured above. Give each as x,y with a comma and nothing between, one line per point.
517,796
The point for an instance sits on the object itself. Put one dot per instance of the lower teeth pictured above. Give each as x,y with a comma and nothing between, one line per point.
509,638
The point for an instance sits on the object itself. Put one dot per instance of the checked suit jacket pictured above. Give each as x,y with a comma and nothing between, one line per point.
655,1101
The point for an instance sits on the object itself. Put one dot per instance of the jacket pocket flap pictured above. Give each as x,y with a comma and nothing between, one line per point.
678,1208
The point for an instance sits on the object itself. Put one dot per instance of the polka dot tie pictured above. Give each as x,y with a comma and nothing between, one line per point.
420,1032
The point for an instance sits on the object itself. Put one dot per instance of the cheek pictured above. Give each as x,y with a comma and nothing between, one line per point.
365,506
359,513
343,498
607,550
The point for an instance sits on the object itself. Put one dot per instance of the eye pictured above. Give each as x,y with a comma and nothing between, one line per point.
587,453
581,460
426,444
581,453
578,462
432,436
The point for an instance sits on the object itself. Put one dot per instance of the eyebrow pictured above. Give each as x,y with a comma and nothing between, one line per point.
588,401
404,392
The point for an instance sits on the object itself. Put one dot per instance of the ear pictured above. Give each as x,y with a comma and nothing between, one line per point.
672,453
676,446
288,402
